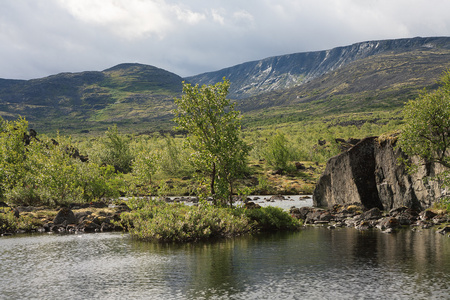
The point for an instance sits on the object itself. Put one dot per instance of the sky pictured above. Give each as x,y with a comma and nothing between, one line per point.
39,38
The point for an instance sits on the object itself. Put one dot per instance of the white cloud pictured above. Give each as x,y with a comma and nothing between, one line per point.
132,19
217,16
43,37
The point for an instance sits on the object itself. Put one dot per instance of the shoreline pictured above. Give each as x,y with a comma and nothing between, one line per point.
102,217
388,222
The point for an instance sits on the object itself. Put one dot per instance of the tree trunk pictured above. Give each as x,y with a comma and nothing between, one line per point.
213,177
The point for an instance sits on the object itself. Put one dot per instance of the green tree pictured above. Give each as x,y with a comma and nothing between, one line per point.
115,150
427,125
12,153
214,128
277,152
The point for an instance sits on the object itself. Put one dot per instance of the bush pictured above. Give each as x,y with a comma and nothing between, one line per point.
156,220
44,172
9,223
114,150
443,204
272,218
160,221
175,159
278,152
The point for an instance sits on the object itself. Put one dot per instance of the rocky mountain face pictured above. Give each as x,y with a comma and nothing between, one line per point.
369,174
285,71
380,82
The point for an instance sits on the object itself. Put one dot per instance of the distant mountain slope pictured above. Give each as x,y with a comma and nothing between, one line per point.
285,71
380,82
126,93
363,77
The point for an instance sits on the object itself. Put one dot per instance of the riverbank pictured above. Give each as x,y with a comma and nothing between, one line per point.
355,216
171,219
104,217
92,217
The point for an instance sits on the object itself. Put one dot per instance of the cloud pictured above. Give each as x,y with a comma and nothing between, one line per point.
131,19
43,37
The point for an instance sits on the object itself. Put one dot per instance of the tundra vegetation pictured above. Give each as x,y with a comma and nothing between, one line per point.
209,155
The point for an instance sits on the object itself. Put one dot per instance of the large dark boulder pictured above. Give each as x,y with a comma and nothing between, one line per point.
65,216
349,178
369,173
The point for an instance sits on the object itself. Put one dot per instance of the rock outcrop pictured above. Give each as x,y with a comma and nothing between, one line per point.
370,174
355,216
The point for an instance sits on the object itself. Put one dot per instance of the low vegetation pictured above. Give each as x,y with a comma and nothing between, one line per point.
218,160
161,221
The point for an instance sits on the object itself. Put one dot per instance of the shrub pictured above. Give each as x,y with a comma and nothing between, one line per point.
157,220
9,223
114,150
160,221
443,204
278,152
272,218
42,172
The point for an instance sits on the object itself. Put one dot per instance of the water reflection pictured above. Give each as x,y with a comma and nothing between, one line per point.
314,263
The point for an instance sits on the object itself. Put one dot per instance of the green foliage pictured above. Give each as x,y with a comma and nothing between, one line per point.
443,204
272,218
264,186
160,221
9,223
214,135
12,153
115,150
53,177
145,165
427,125
41,172
175,159
278,152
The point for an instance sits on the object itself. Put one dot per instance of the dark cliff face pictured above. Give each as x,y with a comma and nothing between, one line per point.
280,72
370,174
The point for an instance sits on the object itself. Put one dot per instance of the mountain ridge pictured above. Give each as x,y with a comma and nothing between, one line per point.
363,76
285,71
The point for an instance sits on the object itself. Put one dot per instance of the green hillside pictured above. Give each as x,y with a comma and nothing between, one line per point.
380,83
345,85
132,95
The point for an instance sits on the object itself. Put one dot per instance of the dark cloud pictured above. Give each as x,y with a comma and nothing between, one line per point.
43,37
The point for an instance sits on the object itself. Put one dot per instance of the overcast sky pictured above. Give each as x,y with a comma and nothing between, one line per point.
44,37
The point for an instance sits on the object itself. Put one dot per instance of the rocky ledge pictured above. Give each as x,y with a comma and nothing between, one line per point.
355,215
95,217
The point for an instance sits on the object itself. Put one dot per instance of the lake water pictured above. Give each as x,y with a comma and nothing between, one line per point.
315,263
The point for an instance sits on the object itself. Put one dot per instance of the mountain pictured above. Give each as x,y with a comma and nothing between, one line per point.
360,78
126,94
380,82
285,71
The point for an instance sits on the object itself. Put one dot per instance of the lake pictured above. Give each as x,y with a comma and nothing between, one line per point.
315,263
